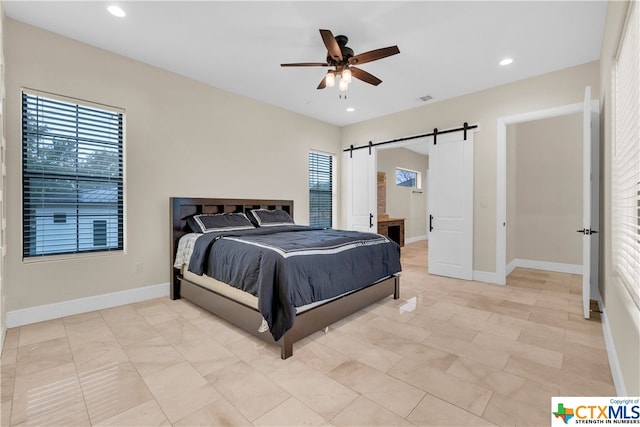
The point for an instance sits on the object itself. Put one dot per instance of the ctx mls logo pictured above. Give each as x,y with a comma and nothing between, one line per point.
564,413
575,410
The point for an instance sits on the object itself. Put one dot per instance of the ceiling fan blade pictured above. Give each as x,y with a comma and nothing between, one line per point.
306,64
331,44
323,83
374,55
364,76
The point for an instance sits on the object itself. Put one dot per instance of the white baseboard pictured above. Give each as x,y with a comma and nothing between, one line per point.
511,266
3,321
486,276
614,363
56,310
415,239
544,265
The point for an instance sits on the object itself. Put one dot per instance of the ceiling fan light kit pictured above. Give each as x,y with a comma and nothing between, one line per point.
342,58
346,75
330,79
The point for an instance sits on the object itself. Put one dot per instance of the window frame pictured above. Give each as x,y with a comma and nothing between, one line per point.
333,186
112,178
625,158
418,179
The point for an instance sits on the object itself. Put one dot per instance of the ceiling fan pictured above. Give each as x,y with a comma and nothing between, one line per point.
341,57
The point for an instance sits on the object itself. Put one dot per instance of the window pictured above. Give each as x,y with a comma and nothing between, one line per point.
99,232
320,190
626,157
408,178
59,218
72,176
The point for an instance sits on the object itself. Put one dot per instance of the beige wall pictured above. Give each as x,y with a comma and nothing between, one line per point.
183,138
548,189
403,202
622,314
483,108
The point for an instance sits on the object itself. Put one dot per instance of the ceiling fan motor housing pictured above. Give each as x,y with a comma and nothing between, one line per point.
346,51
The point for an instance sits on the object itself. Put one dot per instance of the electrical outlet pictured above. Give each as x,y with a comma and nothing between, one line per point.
138,267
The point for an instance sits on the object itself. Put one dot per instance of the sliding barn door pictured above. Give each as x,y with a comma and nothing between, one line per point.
451,206
360,173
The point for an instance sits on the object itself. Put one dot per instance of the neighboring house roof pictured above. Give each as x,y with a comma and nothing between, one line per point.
96,196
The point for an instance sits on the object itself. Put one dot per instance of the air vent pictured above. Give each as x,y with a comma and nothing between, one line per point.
425,98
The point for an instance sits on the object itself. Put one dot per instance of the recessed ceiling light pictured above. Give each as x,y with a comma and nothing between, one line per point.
506,61
350,109
116,11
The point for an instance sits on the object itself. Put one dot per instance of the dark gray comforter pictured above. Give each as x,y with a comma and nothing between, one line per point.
291,266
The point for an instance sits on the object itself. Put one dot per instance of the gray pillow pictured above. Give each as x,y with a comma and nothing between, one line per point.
270,218
207,223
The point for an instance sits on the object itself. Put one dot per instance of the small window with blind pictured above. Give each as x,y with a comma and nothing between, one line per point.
72,176
625,162
321,190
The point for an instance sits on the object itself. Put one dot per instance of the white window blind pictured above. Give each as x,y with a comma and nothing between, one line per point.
626,157
72,177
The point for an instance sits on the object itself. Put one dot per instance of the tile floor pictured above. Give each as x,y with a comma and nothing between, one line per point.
449,352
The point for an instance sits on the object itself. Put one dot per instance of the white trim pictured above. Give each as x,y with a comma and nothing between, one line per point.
558,267
3,321
415,239
501,175
614,363
56,310
72,100
418,174
486,276
511,266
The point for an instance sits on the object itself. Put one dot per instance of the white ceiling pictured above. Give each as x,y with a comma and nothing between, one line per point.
447,48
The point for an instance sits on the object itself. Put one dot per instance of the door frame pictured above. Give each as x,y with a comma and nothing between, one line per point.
501,173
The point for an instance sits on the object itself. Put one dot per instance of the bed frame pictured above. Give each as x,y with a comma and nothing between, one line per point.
246,317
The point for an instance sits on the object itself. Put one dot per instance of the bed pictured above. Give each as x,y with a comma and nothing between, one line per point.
245,314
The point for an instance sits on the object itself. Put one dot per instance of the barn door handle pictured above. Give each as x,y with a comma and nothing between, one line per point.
430,223
587,231
370,220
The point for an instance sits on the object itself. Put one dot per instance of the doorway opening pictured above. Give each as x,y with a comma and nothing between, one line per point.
502,161
402,191
544,194
589,156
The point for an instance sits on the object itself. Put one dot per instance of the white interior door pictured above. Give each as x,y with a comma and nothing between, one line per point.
590,213
360,172
450,194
